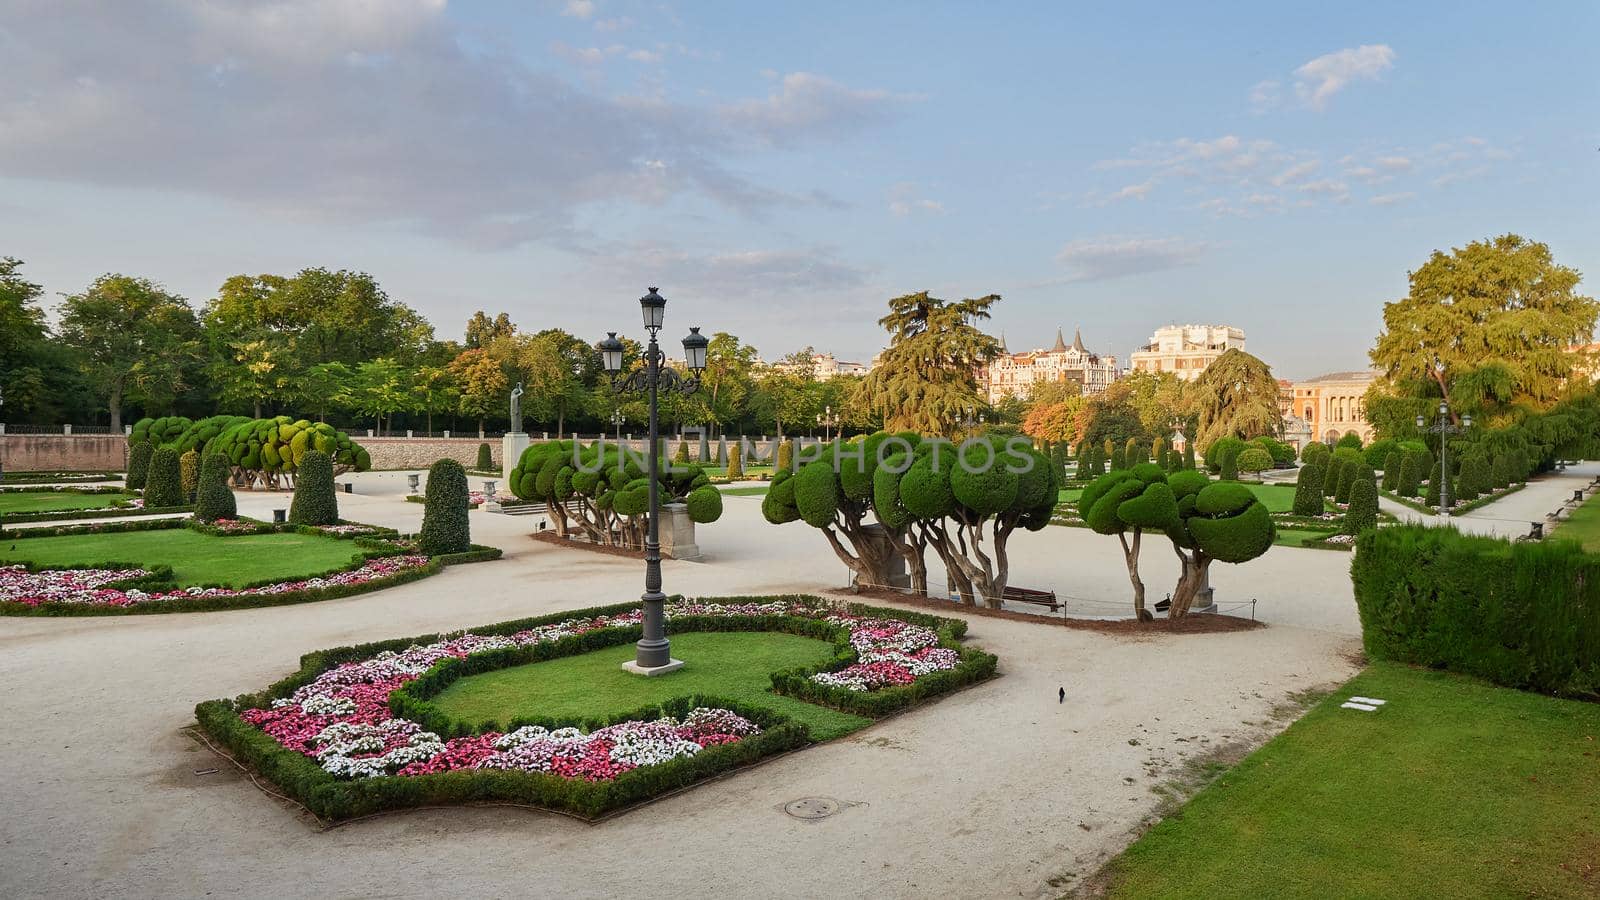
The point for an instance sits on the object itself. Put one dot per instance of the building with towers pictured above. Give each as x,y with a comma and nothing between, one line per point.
1185,350
1013,374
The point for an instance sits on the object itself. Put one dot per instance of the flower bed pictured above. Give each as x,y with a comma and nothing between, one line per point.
355,732
102,586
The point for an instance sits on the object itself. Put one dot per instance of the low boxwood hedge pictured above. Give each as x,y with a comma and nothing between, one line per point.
109,512
331,798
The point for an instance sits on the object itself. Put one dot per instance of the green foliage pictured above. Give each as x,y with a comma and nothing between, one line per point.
189,473
981,482
1230,464
278,445
925,380
1363,511
213,498
785,456
445,523
1411,468
485,461
705,504
1392,465
164,487
1119,458
1236,396
1351,440
1500,472
135,340
1254,460
1525,615
816,493
1220,448
736,461
1133,452
682,458
1377,452
1282,454
1228,527
139,465
1308,490
314,501
1188,455
1316,452
1155,508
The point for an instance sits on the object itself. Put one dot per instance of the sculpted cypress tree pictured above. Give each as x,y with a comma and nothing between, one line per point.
1308,491
139,465
1127,503
1500,472
1188,454
1230,464
485,459
445,524
1221,521
785,461
1410,475
189,473
213,499
1391,469
736,462
164,486
314,501
1119,458
1363,511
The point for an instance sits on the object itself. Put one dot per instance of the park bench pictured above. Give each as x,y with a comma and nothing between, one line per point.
1027,595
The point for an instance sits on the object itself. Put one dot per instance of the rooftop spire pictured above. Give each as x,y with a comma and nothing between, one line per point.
1077,341
1061,344
1003,343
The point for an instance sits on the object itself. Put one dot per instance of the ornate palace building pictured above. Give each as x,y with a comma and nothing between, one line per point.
1327,407
1186,350
1012,374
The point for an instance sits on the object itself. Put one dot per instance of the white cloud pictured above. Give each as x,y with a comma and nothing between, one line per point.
1393,163
1318,80
1103,258
730,275
1392,199
1135,191
1266,95
806,105
578,9
905,199
1296,172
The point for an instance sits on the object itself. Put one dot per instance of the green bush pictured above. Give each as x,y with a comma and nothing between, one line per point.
164,486
1377,452
1308,491
213,499
1133,452
1349,474
189,473
1330,478
736,461
1392,464
705,504
445,525
786,456
1351,440
1316,452
314,501
485,458
1254,460
1119,458
1410,475
1363,511
1229,464
1188,455
1524,615
139,465
1220,448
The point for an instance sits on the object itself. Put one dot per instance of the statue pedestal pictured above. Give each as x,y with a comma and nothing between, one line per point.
511,447
677,532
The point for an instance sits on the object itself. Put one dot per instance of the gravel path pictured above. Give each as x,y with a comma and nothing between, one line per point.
996,791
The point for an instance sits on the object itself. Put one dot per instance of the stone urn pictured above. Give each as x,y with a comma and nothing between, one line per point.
677,532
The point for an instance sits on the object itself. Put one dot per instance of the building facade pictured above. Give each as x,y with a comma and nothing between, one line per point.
1328,407
824,366
1185,350
1013,374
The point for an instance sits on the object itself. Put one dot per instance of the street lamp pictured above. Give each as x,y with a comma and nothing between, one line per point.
653,653
828,421
1444,428
617,418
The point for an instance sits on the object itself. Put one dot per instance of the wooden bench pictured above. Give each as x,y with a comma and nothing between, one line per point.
1038,598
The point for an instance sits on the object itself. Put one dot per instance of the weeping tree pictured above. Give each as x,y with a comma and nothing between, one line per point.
926,379
1236,395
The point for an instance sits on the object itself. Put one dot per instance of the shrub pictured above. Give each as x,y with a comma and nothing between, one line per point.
1363,511
1254,460
1500,472
1351,440
1188,455
445,526
1158,452
213,499
1410,475
682,457
1316,452
1220,447
1392,465
1524,615
1308,492
736,461
189,473
1230,464
1133,453
314,501
164,486
1282,454
139,465
1119,458
705,504
1330,477
1377,452
485,458
1348,473
786,456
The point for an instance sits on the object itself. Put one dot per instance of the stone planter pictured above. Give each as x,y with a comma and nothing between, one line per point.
677,532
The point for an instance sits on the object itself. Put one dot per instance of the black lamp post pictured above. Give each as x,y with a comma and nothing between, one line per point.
828,421
654,653
1444,428
617,418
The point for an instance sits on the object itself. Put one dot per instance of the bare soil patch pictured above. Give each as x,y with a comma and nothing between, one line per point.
1205,623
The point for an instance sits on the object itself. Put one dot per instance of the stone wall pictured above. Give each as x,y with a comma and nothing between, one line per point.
420,452
63,452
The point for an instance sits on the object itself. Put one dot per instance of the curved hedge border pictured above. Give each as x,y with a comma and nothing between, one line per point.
369,548
13,478
332,798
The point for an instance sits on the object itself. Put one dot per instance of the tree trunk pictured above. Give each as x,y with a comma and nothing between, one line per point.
258,408
1196,567
1131,554
114,404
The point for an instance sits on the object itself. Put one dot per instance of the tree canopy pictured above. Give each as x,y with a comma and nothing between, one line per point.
1235,395
926,380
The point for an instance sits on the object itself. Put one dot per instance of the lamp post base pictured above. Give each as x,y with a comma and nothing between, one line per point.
633,667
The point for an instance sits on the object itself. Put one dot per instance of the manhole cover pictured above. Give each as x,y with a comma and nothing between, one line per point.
811,808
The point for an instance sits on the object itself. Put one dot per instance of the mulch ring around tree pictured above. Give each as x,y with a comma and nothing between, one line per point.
1202,623
550,537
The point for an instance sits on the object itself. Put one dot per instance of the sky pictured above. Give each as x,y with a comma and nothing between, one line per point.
782,171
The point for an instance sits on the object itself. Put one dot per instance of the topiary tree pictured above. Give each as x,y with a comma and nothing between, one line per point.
1133,452
189,473
1500,472
736,461
602,491
1350,440
682,458
1315,452
1254,460
1220,448
269,451
314,501
1220,521
1230,464
1188,455
485,459
164,486
785,456
139,465
213,499
1391,469
1363,511
1436,481
445,524
1410,475
1127,503
1308,491
1377,453
1119,458
1349,470
1330,478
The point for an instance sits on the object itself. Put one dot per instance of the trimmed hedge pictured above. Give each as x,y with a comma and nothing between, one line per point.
1524,615
213,498
445,526
189,472
332,798
139,465
1363,511
314,501
113,512
485,461
164,486
1308,491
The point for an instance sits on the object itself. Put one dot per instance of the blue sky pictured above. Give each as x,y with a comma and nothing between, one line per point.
780,172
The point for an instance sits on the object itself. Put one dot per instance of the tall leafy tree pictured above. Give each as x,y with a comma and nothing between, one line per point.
137,341
1236,395
481,382
926,380
1489,327
38,375
729,379
483,331
558,370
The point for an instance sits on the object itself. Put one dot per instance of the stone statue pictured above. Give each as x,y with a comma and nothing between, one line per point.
516,409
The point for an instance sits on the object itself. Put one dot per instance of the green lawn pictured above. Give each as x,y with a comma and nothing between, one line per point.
1583,525
732,665
195,558
1294,537
1455,788
55,501
755,490
749,471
